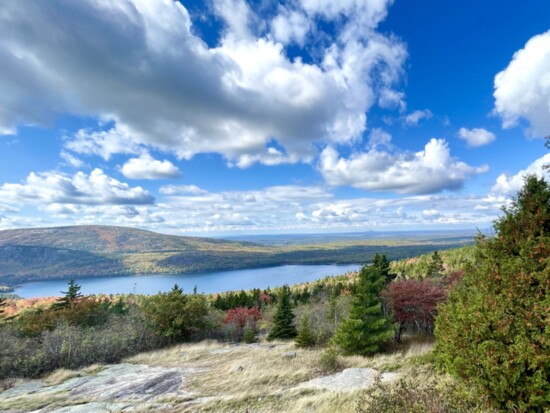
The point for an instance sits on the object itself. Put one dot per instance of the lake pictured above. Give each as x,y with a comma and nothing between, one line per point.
210,282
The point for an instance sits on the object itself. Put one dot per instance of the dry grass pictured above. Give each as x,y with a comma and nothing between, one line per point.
62,375
240,378
257,378
34,402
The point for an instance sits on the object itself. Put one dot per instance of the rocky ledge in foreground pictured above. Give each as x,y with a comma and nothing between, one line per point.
117,387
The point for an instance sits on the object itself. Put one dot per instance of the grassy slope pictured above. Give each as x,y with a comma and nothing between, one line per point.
48,253
265,381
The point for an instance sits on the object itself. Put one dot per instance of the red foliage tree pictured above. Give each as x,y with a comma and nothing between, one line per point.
265,298
414,303
241,315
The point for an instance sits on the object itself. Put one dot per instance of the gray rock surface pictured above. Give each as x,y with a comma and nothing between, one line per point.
118,387
349,379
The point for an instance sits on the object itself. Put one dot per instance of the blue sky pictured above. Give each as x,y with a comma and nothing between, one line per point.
232,116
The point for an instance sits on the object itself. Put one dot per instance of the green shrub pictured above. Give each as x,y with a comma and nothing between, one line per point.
174,315
84,312
249,335
70,346
329,362
426,395
305,337
495,328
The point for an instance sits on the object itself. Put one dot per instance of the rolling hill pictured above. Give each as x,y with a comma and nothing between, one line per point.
93,250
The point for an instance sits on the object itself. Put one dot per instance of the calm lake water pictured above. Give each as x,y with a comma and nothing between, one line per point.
211,282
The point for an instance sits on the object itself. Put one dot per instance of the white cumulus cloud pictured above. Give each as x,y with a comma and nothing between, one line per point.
140,69
430,170
95,188
146,167
509,185
522,90
476,137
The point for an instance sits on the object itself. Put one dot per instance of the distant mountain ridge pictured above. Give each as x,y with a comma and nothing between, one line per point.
95,250
104,239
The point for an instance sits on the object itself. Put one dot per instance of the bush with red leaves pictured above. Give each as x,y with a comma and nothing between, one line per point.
413,303
240,316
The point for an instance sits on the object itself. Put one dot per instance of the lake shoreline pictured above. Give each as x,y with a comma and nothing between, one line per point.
207,282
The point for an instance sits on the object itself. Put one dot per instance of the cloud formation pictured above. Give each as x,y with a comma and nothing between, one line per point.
95,188
509,185
522,90
138,66
146,167
283,209
428,171
414,118
476,137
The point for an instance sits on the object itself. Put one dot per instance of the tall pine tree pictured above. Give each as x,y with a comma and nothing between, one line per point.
381,263
366,329
283,321
69,297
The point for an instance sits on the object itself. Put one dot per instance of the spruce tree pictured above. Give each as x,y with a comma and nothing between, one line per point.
2,305
366,329
283,321
305,337
435,267
380,262
69,297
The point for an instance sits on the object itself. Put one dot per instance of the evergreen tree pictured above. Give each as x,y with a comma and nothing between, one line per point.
494,330
381,263
283,321
176,289
243,299
2,305
435,267
249,334
366,329
305,337
70,296
219,303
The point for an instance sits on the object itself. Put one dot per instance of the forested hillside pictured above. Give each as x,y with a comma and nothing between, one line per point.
49,253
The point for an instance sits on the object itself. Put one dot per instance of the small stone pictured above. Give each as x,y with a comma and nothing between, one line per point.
289,355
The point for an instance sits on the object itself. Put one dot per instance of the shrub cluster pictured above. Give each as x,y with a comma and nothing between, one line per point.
431,394
494,330
69,346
